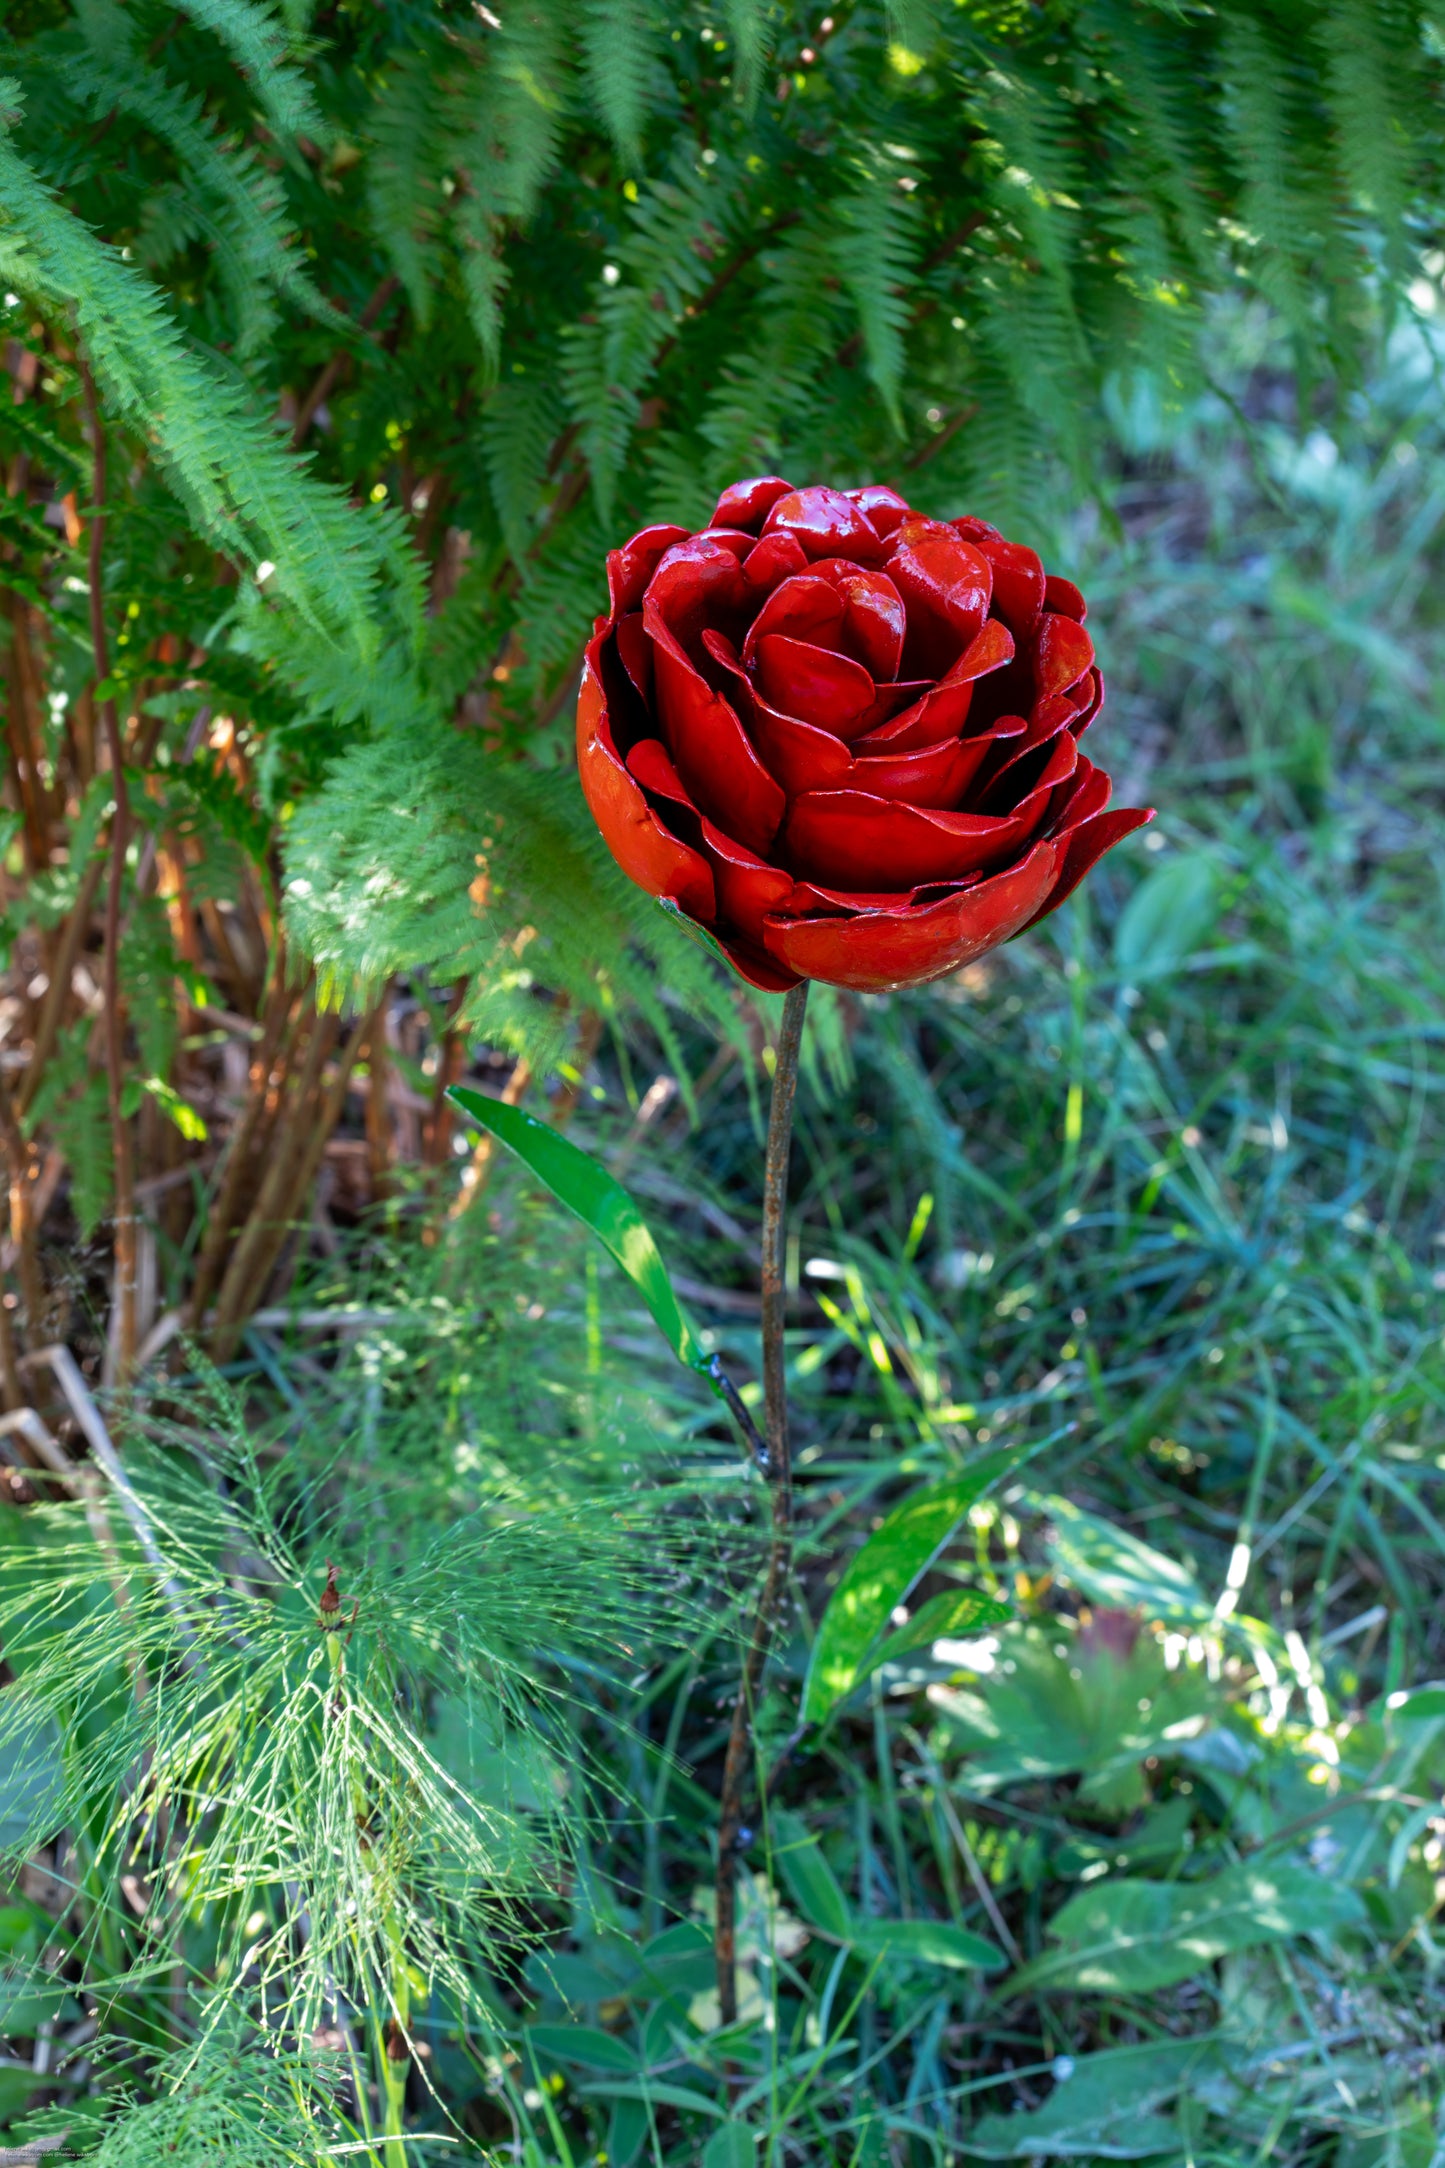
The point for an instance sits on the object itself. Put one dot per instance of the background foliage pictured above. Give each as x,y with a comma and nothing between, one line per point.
398,317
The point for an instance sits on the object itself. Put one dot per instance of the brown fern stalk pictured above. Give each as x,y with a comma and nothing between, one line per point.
124,1170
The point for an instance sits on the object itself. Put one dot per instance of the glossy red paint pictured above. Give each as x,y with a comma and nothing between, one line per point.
844,736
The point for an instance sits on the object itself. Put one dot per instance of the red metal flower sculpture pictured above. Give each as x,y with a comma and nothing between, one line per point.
842,736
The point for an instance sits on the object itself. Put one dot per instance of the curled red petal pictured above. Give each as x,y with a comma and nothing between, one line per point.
976,530
807,899
1019,582
651,763
1023,787
711,750
630,568
1094,687
875,623
744,504
937,776
696,582
634,651
775,558
883,508
943,710
747,887
813,683
852,839
946,585
878,951
1088,794
1067,600
1083,849
827,523
729,538
645,850
1062,653
804,607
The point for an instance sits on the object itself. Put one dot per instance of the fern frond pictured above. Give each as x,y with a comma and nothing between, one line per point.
619,41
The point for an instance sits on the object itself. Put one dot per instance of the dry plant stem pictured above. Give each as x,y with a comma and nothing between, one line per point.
22,1217
53,1008
226,1206
780,1498
125,1230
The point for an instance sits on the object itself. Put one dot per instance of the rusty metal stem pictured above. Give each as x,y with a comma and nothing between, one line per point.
780,1498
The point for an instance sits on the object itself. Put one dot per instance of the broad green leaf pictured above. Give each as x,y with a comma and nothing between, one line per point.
626,2132
1103,2108
1060,1702
1129,1937
730,2147
661,2095
816,1890
584,2044
880,1576
1426,1701
952,1611
602,1204
1168,917
1110,1566
927,1942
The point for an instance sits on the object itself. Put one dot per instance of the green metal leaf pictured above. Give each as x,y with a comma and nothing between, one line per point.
879,1578
602,1204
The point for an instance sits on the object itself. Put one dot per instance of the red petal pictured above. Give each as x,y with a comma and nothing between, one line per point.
1023,787
1019,584
649,762
882,506
875,624
697,583
945,584
1063,651
975,530
630,568
714,755
743,504
809,682
729,538
942,711
1082,851
637,839
878,951
848,838
938,776
888,700
635,653
806,899
827,523
1095,688
1062,595
1089,795
804,607
747,888
773,559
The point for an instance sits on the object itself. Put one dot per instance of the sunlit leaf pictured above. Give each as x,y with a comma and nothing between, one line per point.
601,1204
878,1579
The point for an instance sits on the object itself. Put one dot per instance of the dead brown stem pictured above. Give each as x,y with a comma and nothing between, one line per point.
226,1205
271,1211
20,1157
47,1029
124,1171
